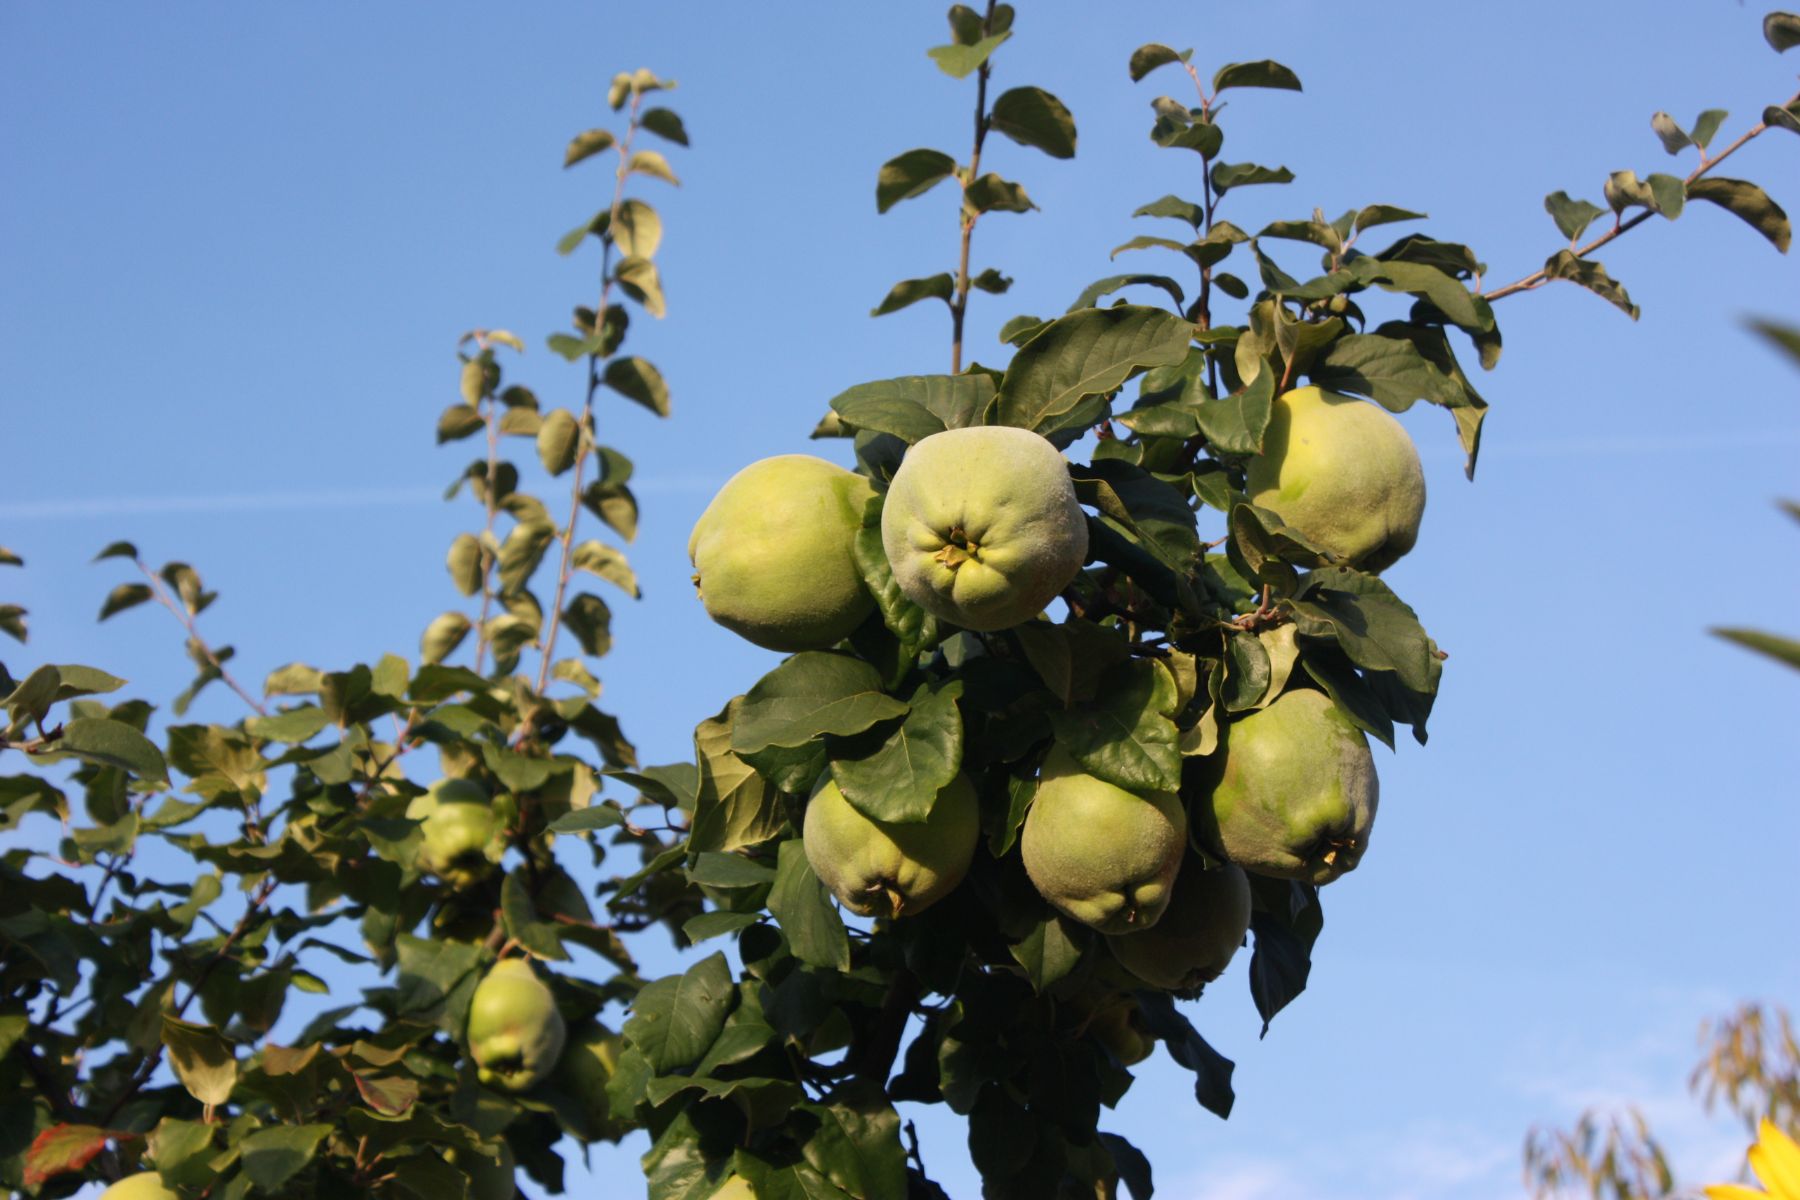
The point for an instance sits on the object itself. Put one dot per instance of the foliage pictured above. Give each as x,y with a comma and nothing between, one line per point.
210,877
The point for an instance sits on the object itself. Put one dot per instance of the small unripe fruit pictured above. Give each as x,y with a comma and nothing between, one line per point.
145,1185
1201,929
891,869
515,1031
1343,473
463,840
1296,793
1102,855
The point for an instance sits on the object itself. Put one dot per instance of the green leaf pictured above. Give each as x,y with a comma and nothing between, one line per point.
1263,74
653,164
1782,31
117,550
1706,125
609,563
802,907
1226,176
675,1019
1151,55
913,407
464,562
1235,424
1049,952
639,279
126,595
456,422
202,1059
1083,354
1572,216
587,820
1674,139
1388,369
911,174
1373,626
1112,283
275,1155
1022,329
114,744
664,124
441,638
857,1143
991,193
1212,1070
1033,117
1782,118
813,693
521,553
586,145
1784,337
895,774
1127,734
590,620
1451,298
1592,276
558,440
637,379
957,61
734,806
910,291
992,282
1749,203
1785,650
1175,208
966,25
1384,214
1667,194
519,918
292,727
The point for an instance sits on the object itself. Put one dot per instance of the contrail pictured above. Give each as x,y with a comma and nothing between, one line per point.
228,502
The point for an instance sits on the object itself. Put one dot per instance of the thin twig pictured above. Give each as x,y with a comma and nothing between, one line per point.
187,620
587,407
960,304
1539,278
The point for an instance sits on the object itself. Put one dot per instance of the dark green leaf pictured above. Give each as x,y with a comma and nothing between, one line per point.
1127,734
1571,216
1235,424
1384,214
1782,31
1373,626
590,620
114,744
813,693
1391,370
1174,207
275,1155
1151,55
1022,329
1781,649
664,124
1782,118
1226,176
992,282
203,1060
916,406
857,1143
637,379
1748,202
1286,920
1033,117
910,174
675,1019
1592,276
1049,952
117,550
1706,125
126,595
802,907
1263,74
1086,353
639,279
1112,283
895,774
991,193
911,291
1212,1070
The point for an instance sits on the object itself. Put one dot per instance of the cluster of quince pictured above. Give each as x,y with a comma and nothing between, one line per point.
982,529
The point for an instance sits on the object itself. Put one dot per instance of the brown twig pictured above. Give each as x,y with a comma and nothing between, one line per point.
187,620
959,305
587,407
1538,279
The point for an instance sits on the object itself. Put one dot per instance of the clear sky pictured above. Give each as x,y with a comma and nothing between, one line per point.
237,244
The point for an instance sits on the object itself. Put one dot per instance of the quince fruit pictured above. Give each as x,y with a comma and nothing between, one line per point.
463,839
981,526
1201,929
891,869
1343,473
1296,793
773,558
516,1033
1102,855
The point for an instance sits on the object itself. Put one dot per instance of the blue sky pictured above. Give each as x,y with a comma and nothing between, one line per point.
240,241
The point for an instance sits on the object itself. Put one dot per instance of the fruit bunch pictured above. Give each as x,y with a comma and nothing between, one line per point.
977,531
